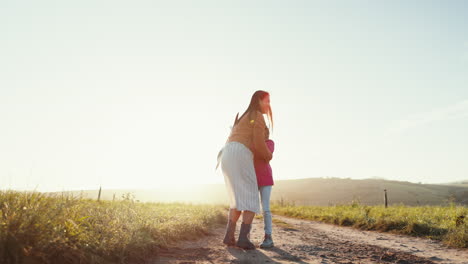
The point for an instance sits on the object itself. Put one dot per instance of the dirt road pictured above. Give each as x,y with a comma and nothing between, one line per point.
302,241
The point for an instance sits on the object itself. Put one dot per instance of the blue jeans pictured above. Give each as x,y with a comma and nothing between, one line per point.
265,192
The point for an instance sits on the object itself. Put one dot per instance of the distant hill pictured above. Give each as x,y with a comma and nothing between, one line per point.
311,191
370,191
460,183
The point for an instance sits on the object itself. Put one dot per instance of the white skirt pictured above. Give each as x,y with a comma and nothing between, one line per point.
239,175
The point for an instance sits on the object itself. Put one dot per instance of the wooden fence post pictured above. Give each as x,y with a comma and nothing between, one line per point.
99,195
385,198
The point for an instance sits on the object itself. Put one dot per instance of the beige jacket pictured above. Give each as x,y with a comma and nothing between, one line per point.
250,131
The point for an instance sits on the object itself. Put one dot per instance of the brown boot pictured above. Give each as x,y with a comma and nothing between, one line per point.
229,237
243,241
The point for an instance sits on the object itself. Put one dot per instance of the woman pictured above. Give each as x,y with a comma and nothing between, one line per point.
237,164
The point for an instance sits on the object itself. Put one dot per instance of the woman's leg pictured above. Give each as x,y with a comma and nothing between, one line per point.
234,214
243,241
247,217
229,237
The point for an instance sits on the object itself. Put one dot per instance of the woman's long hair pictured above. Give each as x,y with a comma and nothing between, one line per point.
255,106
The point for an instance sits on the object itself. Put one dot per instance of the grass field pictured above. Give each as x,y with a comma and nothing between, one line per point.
39,228
448,224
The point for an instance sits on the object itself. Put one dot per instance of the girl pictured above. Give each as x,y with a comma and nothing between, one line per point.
265,184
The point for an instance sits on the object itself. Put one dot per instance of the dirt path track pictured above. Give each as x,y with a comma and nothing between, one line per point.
302,241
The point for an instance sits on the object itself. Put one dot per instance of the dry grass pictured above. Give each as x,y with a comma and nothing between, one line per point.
446,223
52,229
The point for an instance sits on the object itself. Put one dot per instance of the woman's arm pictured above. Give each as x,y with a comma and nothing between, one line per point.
261,149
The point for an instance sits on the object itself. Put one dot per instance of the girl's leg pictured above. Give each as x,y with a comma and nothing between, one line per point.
265,193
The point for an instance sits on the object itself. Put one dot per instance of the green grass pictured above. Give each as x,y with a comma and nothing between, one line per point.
448,224
40,228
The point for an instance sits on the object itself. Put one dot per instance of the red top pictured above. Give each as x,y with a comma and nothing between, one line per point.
263,169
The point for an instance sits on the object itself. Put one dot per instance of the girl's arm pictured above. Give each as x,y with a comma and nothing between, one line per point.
271,145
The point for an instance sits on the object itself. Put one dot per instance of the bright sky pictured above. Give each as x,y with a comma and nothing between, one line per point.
141,94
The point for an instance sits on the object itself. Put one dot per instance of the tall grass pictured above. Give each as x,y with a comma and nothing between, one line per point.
448,224
39,228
